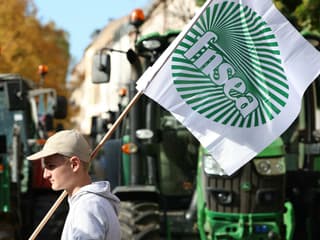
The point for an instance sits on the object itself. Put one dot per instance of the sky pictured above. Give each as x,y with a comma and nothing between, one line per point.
80,18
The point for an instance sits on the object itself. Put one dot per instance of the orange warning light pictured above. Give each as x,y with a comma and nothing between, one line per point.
137,17
42,69
122,92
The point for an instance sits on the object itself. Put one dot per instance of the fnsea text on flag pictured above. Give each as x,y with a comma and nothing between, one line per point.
235,77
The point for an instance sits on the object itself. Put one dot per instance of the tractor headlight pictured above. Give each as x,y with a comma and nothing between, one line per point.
270,166
221,196
151,44
224,198
144,133
211,166
264,167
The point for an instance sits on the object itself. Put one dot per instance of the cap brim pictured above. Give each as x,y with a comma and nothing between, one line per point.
41,154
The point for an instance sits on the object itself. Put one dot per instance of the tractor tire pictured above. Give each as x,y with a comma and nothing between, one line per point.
139,221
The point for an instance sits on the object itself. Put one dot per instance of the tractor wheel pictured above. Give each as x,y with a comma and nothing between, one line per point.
139,221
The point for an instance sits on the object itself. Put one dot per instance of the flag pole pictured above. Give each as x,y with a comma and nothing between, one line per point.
150,75
92,156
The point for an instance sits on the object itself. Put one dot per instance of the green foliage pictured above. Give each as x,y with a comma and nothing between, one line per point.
303,14
200,2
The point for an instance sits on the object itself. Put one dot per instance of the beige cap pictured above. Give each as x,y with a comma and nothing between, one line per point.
68,143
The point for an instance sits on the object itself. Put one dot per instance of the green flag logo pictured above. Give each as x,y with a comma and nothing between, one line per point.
228,67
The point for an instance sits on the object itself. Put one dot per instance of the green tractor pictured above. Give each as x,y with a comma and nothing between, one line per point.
303,162
170,188
250,204
274,196
151,160
26,118
13,133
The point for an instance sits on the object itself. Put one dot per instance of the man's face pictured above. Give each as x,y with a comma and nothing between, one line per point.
57,170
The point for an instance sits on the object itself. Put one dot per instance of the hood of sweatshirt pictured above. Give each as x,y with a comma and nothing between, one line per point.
102,189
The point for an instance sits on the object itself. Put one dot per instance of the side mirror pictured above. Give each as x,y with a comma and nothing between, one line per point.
61,108
16,92
101,67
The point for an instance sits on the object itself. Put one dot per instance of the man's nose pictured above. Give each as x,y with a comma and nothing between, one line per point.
46,173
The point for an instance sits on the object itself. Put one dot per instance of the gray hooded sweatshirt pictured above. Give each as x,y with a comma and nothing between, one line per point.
92,214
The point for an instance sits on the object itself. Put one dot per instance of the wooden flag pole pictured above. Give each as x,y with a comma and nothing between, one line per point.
92,156
158,65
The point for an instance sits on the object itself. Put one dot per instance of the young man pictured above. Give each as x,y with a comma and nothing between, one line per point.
93,208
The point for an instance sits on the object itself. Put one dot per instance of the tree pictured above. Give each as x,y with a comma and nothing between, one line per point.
303,14
25,43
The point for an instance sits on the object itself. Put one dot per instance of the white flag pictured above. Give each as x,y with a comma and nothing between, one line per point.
234,77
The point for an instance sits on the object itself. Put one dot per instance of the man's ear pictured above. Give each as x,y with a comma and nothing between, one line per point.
75,163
